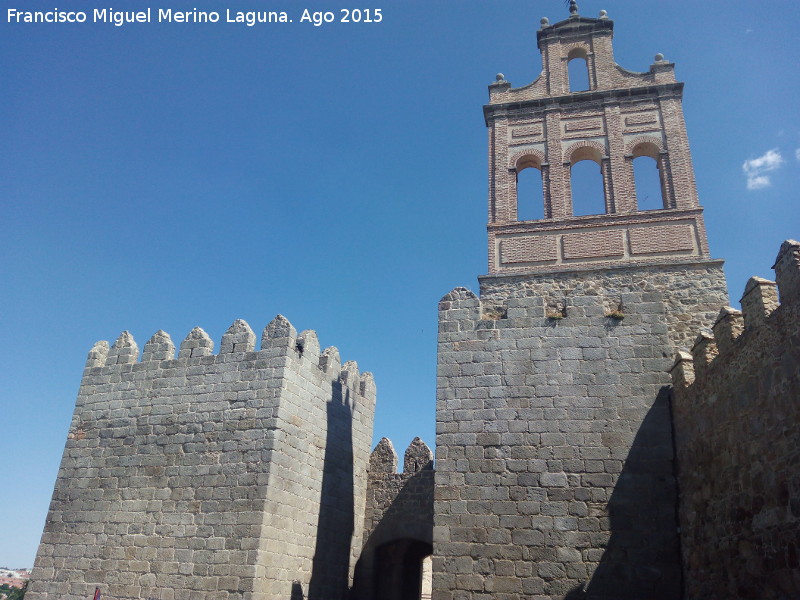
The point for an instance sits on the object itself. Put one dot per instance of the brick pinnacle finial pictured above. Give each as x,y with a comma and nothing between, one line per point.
573,7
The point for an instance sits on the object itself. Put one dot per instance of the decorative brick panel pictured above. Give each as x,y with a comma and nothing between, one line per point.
593,244
528,131
528,249
641,119
586,125
661,238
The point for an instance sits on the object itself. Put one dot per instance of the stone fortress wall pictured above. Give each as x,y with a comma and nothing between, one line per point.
398,524
554,471
565,461
240,475
737,427
691,292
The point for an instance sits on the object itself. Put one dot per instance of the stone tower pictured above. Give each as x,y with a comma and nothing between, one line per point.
238,475
555,462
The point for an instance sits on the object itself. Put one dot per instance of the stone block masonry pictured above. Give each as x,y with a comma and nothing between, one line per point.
737,436
240,475
691,291
554,473
565,461
398,524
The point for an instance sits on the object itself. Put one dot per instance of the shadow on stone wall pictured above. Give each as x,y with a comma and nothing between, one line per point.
331,564
297,591
642,556
391,559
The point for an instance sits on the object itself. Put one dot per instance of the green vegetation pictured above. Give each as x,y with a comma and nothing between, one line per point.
10,593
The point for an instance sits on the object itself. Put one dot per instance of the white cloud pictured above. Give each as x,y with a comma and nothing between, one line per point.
756,183
797,154
755,168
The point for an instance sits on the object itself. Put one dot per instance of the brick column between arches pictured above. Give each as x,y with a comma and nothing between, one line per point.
501,176
546,198
559,191
513,197
680,159
665,173
608,185
622,191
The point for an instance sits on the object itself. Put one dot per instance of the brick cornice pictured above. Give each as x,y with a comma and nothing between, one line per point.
643,264
602,96
604,220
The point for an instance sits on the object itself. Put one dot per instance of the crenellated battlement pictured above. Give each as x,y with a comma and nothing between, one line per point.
688,297
762,315
279,338
217,454
553,307
737,434
461,310
399,507
383,458
417,457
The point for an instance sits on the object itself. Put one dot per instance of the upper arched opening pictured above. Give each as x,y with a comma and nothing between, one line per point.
527,161
593,153
577,52
586,180
646,148
648,177
578,69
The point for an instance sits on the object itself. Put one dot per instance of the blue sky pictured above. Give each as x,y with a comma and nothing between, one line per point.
165,176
